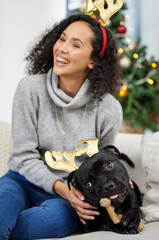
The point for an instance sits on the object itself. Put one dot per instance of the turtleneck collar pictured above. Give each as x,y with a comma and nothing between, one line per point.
61,99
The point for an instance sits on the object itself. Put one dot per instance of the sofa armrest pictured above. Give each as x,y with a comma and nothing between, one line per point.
5,146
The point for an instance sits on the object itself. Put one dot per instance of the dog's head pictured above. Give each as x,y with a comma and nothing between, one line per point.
101,176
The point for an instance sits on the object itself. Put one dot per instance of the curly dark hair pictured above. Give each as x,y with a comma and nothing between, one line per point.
105,75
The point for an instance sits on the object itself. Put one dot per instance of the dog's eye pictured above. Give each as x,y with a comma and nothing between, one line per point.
89,184
110,165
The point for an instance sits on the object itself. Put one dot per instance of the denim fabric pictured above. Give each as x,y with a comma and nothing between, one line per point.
28,212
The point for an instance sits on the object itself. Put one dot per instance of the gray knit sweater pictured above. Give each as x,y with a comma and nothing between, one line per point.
45,118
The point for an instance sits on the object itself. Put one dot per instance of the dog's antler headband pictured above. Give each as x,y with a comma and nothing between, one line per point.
106,9
69,165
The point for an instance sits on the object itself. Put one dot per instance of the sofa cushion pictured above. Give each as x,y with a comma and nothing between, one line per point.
151,232
150,160
130,144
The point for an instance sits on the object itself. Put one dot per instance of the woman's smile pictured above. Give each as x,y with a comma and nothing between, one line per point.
61,61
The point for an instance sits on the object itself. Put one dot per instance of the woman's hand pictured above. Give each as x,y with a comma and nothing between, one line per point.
84,210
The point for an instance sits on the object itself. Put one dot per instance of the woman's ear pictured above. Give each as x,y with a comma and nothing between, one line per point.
92,63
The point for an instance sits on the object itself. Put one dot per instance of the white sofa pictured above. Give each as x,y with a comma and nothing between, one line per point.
129,144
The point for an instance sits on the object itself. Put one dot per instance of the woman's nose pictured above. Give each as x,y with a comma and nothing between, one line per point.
64,47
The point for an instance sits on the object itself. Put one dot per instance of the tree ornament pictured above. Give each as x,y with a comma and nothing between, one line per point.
108,24
125,62
121,29
155,117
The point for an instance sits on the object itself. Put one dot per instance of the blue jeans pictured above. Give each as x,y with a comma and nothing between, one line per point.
28,212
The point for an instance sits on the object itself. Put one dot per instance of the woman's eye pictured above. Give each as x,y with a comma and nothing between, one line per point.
76,46
62,39
89,184
110,165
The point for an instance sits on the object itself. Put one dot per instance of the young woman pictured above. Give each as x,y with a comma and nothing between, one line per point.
67,97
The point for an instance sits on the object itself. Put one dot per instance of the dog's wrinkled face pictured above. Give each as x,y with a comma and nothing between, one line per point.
101,176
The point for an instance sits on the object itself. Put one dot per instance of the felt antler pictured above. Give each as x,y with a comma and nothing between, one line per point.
60,164
106,8
70,165
91,149
105,202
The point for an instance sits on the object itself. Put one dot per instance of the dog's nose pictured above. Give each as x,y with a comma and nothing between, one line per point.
109,186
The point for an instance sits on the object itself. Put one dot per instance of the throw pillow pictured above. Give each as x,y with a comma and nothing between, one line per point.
150,161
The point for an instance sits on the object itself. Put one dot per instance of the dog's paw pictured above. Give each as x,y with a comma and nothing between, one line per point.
131,220
119,228
130,231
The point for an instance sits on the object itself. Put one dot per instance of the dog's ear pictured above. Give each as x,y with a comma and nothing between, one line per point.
122,156
70,179
112,149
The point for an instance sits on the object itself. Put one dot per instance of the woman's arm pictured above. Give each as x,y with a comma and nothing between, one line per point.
110,120
76,199
26,158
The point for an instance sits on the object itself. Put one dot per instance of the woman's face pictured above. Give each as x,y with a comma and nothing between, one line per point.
72,51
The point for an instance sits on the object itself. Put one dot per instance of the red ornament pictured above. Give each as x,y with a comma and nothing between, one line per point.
121,29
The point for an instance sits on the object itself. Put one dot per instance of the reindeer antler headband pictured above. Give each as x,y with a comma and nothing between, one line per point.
106,9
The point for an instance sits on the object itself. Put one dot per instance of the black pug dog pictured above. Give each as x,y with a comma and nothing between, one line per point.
104,176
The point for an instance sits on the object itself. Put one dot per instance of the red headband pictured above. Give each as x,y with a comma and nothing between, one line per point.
104,37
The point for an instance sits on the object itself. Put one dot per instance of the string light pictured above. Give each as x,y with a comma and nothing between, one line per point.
150,81
121,22
124,88
136,56
127,17
130,47
123,91
120,50
128,39
154,65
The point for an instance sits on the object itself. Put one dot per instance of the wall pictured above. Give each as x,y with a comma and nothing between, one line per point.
149,19
133,23
144,23
21,21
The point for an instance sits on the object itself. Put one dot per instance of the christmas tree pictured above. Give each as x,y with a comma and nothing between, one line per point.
139,90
